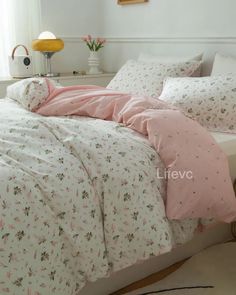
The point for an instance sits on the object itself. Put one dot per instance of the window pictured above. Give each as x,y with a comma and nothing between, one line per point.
20,22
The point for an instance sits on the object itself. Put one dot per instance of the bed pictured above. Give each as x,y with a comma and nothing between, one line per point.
80,197
183,231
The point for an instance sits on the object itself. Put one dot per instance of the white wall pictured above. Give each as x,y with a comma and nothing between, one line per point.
70,20
72,17
170,18
159,26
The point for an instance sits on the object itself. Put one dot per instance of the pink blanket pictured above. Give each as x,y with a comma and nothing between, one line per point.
199,183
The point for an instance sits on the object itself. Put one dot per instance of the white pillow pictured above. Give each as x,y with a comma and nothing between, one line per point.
209,100
172,59
143,78
29,92
223,65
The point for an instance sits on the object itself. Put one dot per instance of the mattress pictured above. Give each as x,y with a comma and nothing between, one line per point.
227,142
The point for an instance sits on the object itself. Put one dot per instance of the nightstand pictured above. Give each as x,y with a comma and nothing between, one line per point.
67,79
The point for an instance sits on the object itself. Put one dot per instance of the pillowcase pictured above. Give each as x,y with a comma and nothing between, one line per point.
223,65
29,92
172,59
143,78
209,100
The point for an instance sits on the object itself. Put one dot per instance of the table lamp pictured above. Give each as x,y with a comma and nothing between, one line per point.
48,44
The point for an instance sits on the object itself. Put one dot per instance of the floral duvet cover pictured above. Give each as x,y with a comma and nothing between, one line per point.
79,199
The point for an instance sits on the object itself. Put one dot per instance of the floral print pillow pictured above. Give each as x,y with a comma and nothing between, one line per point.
146,78
29,92
209,100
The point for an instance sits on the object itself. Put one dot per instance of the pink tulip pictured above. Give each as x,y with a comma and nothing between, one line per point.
102,41
93,44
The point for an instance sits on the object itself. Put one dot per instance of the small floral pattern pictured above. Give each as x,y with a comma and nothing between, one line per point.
173,59
30,92
79,199
209,100
146,78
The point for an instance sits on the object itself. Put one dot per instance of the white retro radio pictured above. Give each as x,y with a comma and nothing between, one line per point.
20,66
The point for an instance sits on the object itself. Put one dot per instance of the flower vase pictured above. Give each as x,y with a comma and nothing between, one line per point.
93,62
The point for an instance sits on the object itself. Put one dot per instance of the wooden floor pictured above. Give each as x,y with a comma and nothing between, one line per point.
150,279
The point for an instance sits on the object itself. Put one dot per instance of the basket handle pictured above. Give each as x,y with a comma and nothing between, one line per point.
14,50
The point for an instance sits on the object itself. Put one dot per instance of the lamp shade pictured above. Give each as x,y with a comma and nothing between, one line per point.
48,45
47,42
46,35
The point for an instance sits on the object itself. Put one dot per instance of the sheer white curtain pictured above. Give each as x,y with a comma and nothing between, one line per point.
20,23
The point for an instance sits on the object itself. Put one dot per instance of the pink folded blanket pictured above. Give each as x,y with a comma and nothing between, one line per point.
199,184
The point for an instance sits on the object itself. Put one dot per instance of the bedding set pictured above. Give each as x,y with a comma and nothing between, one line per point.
83,196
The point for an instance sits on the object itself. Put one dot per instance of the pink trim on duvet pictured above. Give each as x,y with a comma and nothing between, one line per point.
182,144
